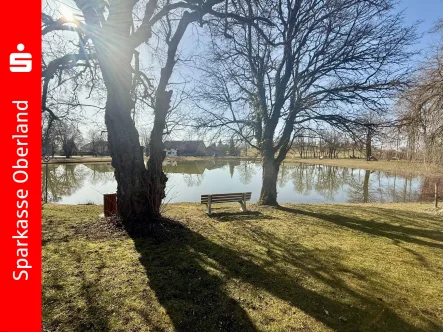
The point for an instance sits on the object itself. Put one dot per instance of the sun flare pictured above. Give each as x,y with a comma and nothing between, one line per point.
66,12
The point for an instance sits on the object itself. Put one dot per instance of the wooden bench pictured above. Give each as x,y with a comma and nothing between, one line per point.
225,198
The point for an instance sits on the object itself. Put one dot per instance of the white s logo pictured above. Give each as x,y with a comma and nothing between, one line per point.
17,61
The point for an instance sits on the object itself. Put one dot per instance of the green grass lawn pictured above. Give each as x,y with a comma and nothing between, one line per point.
299,268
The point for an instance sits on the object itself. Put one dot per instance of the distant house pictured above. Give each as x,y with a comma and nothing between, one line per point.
211,151
95,148
171,152
217,150
184,148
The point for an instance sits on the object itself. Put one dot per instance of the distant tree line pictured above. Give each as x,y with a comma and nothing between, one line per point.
420,111
65,138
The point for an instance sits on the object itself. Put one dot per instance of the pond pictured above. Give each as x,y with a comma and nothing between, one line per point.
297,183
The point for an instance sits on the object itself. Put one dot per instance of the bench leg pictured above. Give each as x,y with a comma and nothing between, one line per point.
209,204
243,203
243,206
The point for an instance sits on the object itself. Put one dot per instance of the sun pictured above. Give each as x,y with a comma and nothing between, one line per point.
66,12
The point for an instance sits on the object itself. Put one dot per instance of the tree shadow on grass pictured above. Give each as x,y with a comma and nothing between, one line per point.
192,296
188,273
393,232
92,317
96,316
239,216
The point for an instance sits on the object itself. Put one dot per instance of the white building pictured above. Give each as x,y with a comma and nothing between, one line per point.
184,148
171,152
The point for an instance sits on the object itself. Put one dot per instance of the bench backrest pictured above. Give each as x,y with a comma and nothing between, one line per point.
229,197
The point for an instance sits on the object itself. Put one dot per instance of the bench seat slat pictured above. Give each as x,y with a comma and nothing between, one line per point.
220,200
224,201
226,198
227,194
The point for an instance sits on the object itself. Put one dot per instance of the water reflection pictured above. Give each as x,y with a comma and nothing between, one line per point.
246,171
63,181
301,183
68,182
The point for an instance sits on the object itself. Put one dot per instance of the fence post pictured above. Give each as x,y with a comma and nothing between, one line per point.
436,195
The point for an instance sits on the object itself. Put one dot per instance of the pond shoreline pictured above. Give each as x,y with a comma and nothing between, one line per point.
78,160
84,160
400,167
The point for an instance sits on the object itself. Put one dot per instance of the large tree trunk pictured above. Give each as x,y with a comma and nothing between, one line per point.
127,159
133,195
157,178
138,196
268,195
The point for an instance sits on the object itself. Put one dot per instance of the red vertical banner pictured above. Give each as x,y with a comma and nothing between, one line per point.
20,234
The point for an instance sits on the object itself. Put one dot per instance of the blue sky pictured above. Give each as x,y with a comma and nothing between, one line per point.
426,11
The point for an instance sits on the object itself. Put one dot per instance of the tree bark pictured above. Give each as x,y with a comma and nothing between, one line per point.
133,195
114,52
127,158
268,194
157,178
368,144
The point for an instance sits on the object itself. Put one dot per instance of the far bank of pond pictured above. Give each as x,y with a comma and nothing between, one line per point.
394,166
297,182
402,167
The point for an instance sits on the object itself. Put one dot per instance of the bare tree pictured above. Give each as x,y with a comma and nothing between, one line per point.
110,33
317,65
93,138
332,142
69,137
421,109
71,80
49,134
